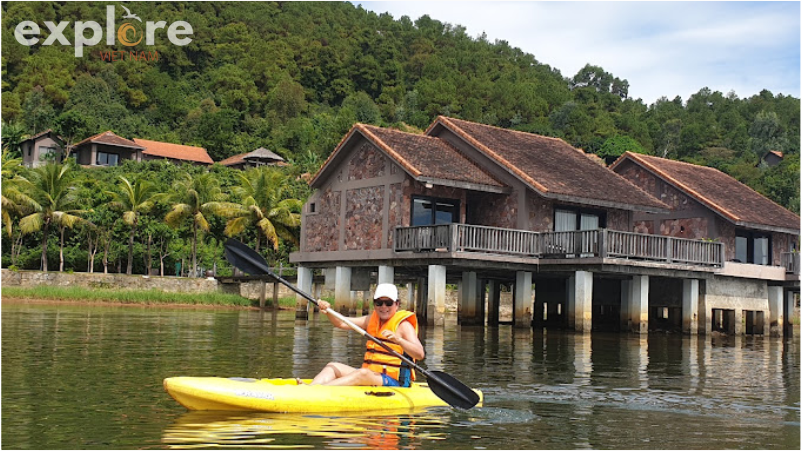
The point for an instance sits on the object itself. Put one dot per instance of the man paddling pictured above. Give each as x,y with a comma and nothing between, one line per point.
396,328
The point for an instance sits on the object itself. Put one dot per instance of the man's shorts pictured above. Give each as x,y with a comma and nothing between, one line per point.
388,381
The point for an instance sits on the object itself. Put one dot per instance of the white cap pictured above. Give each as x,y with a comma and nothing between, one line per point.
386,290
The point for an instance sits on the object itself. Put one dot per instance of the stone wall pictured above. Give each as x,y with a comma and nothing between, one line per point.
108,281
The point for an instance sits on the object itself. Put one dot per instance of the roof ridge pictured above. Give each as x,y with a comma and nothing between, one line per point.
704,199
490,153
516,131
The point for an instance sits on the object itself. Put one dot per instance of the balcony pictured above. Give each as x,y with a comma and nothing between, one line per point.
559,245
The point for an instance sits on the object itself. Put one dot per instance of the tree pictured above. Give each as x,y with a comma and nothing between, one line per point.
133,200
13,135
49,191
264,205
616,146
197,198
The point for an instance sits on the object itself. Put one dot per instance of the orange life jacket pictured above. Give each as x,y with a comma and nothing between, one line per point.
379,359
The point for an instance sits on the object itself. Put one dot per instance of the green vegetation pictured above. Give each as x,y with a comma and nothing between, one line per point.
145,297
293,77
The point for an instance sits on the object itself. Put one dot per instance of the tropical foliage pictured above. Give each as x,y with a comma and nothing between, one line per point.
293,77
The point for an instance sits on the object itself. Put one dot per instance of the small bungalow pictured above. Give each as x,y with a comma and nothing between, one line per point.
41,148
486,208
106,149
256,158
176,153
772,158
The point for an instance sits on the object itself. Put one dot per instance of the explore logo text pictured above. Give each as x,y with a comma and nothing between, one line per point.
90,33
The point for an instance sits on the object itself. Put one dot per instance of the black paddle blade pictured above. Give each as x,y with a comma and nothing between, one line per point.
451,390
244,258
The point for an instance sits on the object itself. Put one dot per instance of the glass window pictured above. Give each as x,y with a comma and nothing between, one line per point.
107,159
740,249
761,251
571,219
428,211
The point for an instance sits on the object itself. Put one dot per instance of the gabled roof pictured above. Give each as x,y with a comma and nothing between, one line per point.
427,159
49,131
109,138
551,167
258,154
718,191
174,151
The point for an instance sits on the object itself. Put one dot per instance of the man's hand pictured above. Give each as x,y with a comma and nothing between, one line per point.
323,305
391,337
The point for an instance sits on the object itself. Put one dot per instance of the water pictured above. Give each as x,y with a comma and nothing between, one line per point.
80,377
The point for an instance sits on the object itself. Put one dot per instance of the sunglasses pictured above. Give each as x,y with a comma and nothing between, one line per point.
386,303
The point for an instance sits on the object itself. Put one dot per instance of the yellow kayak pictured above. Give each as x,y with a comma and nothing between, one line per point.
285,395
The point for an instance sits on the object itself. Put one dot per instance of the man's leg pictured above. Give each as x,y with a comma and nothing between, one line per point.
332,371
362,376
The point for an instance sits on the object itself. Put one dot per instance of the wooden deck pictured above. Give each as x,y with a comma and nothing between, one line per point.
559,245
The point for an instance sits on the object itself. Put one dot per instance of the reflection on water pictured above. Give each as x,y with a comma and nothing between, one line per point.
91,377
261,430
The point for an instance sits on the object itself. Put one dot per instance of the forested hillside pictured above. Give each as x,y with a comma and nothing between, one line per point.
293,77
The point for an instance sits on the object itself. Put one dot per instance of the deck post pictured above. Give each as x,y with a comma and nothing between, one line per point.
386,274
522,302
626,287
690,306
343,301
789,312
410,304
583,301
776,316
570,304
469,299
436,300
493,302
305,285
639,304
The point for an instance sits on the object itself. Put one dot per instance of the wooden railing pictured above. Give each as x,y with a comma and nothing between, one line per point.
790,260
577,244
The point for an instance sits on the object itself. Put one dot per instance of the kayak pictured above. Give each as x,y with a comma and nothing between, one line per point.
286,395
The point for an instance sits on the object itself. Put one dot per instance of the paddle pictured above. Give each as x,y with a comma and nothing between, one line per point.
445,386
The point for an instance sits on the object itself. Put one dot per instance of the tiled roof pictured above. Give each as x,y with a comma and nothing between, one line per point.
258,154
425,158
111,139
728,197
174,151
551,166
40,134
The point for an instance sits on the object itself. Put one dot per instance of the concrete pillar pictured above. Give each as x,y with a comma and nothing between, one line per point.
625,294
410,301
469,299
342,291
493,302
776,315
436,300
522,302
789,312
570,304
386,274
690,306
583,301
93,156
737,323
367,302
305,285
421,294
639,304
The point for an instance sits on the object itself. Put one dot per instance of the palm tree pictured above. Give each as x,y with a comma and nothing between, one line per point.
13,133
11,197
263,205
133,200
198,198
49,192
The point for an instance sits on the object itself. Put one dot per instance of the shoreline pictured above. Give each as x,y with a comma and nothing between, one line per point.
116,303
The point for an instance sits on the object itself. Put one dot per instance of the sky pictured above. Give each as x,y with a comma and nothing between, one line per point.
662,48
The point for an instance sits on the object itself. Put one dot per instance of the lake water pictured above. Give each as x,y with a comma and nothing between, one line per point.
82,377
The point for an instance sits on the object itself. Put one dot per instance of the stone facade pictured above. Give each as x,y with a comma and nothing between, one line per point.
690,228
363,218
323,226
367,162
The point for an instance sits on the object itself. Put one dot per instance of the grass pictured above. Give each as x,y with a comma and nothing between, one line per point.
143,297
